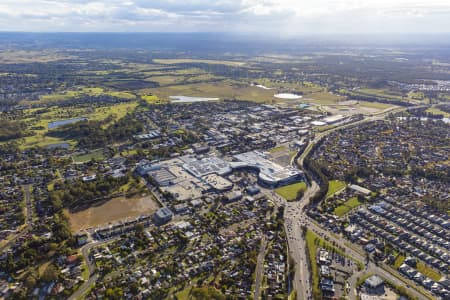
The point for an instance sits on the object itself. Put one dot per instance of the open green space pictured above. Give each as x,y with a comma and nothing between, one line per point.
96,155
85,91
184,294
152,99
376,105
37,120
224,89
290,192
312,253
437,111
346,206
203,61
379,92
276,149
322,98
313,242
416,95
399,261
428,271
335,186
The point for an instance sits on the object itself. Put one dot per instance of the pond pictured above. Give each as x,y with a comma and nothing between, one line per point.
287,96
59,123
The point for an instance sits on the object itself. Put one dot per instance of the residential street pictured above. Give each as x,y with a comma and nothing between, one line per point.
260,267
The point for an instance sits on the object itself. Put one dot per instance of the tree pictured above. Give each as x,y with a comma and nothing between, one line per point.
50,273
139,228
30,281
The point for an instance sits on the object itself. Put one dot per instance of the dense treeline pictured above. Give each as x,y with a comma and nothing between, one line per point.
421,112
321,179
10,130
91,134
359,97
317,173
77,194
90,101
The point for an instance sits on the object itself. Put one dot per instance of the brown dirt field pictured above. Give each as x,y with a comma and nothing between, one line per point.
112,211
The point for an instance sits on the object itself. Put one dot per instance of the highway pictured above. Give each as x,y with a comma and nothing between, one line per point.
295,218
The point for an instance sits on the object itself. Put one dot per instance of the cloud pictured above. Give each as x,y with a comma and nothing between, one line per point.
268,16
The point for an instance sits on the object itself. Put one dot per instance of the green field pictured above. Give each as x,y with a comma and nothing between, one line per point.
204,61
376,105
37,120
97,155
276,149
225,89
152,99
346,206
335,186
378,92
437,111
323,98
88,91
289,192
312,252
183,294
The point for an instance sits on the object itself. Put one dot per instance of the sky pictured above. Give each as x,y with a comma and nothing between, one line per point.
264,17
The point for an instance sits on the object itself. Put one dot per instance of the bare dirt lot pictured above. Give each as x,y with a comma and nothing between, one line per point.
112,211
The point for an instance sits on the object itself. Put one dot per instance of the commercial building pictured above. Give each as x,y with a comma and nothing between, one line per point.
333,119
162,216
233,196
218,183
374,282
205,166
270,174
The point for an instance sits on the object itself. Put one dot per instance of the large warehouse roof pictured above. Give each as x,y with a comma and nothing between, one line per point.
269,172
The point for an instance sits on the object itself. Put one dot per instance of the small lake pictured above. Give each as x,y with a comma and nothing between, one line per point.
59,123
288,96
59,145
186,99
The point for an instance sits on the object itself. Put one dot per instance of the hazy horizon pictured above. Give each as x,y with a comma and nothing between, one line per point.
280,18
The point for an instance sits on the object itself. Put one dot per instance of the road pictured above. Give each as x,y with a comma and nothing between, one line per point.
91,268
260,267
354,252
28,226
295,218
29,205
